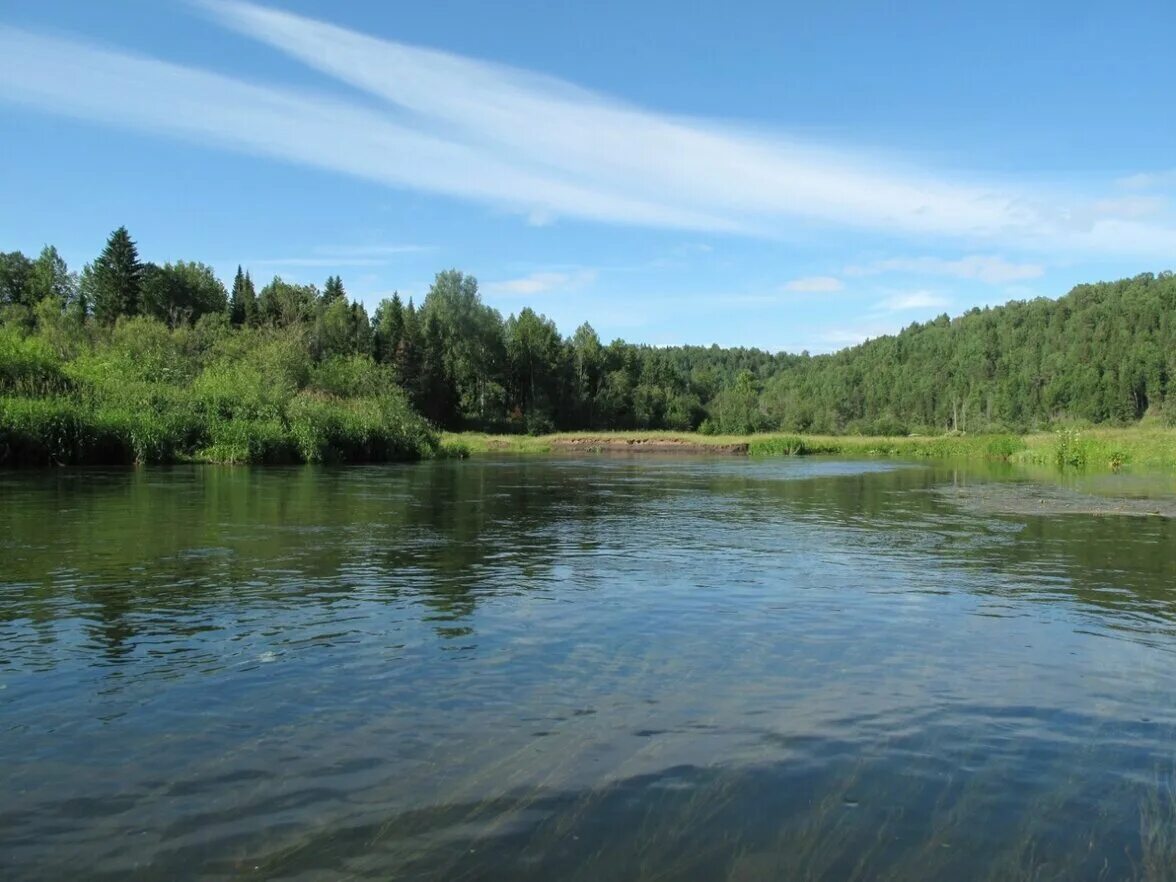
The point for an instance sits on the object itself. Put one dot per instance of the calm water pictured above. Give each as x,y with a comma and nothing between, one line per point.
600,669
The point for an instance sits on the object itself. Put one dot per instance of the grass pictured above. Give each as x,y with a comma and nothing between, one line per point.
312,428
1096,448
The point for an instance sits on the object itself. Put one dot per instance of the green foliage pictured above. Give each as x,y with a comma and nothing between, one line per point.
57,431
28,366
777,445
181,292
285,305
1004,447
243,300
1070,448
143,392
50,278
16,272
1103,354
113,282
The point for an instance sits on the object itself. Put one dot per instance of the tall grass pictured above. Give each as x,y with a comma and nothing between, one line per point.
148,394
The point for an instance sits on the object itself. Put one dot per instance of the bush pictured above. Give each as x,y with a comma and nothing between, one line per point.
28,366
242,441
1003,447
777,445
58,431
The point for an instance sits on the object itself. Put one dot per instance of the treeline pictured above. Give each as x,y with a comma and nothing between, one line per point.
1103,353
132,362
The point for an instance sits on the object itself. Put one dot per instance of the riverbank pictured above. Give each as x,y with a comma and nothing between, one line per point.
1103,448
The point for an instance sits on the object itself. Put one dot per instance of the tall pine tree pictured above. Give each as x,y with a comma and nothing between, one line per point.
115,278
243,301
333,290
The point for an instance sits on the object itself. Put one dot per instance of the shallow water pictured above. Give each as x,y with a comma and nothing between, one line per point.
601,668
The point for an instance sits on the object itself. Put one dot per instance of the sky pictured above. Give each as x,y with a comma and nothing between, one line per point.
790,176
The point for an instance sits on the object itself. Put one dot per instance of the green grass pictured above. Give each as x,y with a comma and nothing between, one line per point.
312,428
1096,448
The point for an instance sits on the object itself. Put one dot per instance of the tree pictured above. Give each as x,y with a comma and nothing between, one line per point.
389,328
243,301
588,363
50,277
437,396
407,359
471,335
115,279
533,353
180,293
334,330
361,330
333,290
15,273
284,304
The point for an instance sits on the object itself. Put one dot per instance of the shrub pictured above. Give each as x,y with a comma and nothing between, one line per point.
1003,447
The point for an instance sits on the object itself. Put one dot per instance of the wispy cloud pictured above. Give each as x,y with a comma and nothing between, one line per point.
371,251
992,269
911,300
815,284
315,261
541,147
1149,180
837,338
540,283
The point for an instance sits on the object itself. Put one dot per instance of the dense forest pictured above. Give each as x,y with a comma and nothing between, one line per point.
130,360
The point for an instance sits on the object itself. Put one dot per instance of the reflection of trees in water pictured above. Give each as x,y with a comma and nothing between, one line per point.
126,549
1121,565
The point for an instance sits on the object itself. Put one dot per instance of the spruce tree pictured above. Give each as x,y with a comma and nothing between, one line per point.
237,298
333,290
117,278
243,300
249,299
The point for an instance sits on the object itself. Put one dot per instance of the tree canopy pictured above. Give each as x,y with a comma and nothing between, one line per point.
1104,353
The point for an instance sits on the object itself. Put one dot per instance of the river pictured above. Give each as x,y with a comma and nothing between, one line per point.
599,668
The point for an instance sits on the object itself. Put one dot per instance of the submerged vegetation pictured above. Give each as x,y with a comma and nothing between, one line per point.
137,362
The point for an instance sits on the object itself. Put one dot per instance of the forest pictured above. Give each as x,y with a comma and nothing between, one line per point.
130,361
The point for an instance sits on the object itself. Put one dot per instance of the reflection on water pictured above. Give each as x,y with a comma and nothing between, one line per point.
581,669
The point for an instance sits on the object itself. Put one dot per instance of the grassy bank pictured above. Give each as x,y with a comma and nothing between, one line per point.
1100,448
143,393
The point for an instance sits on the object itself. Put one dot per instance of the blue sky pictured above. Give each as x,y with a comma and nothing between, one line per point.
788,176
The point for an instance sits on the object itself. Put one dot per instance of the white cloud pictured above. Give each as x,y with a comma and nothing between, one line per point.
914,300
1148,180
815,284
538,146
1130,206
539,283
992,269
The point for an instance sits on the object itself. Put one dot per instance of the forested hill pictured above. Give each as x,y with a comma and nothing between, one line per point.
1105,352
125,338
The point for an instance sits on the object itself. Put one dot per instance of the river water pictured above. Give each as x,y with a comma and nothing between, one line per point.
604,668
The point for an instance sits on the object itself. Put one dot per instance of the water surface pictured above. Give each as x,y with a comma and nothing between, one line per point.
600,668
